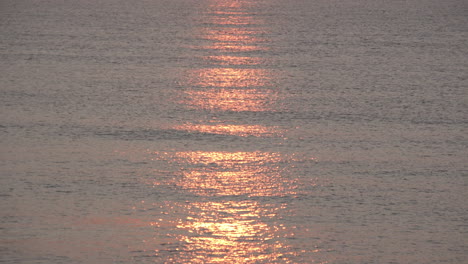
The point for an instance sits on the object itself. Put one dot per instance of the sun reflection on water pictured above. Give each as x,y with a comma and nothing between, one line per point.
233,78
229,77
233,60
235,100
232,232
230,129
248,174
234,20
234,35
234,40
229,99
225,221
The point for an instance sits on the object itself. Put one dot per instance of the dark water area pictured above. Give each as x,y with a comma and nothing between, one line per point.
233,131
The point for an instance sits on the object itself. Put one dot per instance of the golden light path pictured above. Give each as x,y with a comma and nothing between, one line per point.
236,100
230,129
236,35
231,84
233,227
232,232
225,223
233,60
249,174
229,77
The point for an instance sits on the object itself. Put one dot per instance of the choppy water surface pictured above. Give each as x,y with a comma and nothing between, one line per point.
222,131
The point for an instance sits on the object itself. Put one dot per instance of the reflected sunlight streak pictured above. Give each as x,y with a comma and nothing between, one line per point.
229,77
254,100
234,60
232,232
223,220
251,174
235,130
228,88
234,35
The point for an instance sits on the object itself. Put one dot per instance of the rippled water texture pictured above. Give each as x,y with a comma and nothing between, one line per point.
233,131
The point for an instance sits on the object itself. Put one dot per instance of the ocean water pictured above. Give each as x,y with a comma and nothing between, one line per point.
233,131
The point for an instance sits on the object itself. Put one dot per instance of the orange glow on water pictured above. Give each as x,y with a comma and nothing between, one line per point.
240,13
233,35
228,82
233,39
237,100
222,224
251,183
225,5
228,129
234,226
230,89
234,47
234,20
228,159
229,77
231,232
232,173
234,60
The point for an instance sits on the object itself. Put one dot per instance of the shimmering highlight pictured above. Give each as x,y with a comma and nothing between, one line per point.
233,60
231,232
255,100
231,173
228,129
229,77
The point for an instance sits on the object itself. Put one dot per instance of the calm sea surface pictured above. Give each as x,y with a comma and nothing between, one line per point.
233,131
